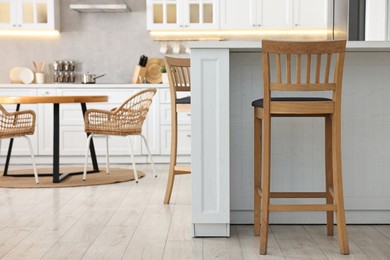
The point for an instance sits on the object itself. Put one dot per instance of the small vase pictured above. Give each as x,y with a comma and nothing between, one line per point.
164,78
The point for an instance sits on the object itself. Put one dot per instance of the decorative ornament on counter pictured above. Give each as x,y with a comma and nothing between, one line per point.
20,75
64,71
153,74
164,74
39,72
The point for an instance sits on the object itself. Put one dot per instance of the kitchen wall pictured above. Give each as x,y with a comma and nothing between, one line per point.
101,43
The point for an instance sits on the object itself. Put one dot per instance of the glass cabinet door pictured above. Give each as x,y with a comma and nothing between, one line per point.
34,14
7,14
201,14
164,14
182,14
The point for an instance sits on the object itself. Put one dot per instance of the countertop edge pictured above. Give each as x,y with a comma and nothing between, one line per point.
352,46
84,86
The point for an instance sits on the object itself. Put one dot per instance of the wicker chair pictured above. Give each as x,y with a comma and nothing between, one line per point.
126,120
18,124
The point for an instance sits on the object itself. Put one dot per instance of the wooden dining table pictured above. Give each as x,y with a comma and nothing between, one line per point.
56,101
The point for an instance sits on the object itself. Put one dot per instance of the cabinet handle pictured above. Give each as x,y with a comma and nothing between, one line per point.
186,25
253,25
19,25
259,25
47,92
188,114
296,24
14,25
188,135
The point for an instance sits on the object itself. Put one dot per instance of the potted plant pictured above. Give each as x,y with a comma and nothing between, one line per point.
164,74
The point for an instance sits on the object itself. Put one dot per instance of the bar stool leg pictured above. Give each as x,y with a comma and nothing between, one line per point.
338,184
329,175
257,172
172,163
266,185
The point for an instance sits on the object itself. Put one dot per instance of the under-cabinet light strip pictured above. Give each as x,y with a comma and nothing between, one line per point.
28,33
238,33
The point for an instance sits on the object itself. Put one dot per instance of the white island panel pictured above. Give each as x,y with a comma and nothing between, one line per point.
210,142
297,143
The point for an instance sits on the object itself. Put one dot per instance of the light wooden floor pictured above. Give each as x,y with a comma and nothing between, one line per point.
130,221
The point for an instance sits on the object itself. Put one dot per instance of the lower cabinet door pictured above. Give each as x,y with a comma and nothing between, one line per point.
73,141
183,140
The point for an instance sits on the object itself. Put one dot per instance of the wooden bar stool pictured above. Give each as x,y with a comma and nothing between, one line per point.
178,70
328,62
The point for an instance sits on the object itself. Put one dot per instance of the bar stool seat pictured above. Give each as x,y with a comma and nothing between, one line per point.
297,57
184,100
260,102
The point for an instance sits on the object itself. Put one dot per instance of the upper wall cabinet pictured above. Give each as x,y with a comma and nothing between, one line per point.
276,14
313,14
29,14
182,14
256,14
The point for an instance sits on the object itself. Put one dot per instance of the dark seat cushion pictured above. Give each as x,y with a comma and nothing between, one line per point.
185,100
259,102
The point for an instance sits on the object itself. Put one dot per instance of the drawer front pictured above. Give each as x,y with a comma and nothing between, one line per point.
182,118
165,96
183,140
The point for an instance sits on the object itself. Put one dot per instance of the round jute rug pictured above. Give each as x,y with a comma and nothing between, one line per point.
116,175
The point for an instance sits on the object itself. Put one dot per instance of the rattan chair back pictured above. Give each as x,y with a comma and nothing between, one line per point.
124,120
17,123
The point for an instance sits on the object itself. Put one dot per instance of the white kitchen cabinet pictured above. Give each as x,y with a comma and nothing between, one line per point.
313,14
183,127
256,14
182,14
29,14
276,14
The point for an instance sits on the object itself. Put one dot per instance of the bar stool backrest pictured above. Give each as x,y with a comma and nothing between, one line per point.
178,70
302,66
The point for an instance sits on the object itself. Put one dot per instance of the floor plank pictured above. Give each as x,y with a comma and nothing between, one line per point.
250,244
223,248
372,242
111,243
329,245
296,242
183,249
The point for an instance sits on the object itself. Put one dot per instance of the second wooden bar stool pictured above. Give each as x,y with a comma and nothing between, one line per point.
178,70
286,55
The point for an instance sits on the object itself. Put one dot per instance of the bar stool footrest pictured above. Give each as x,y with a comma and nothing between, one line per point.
303,207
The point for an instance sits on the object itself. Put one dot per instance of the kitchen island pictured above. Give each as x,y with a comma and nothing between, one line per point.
226,78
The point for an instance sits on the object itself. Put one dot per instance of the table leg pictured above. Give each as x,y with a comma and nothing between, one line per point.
91,144
11,143
56,143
